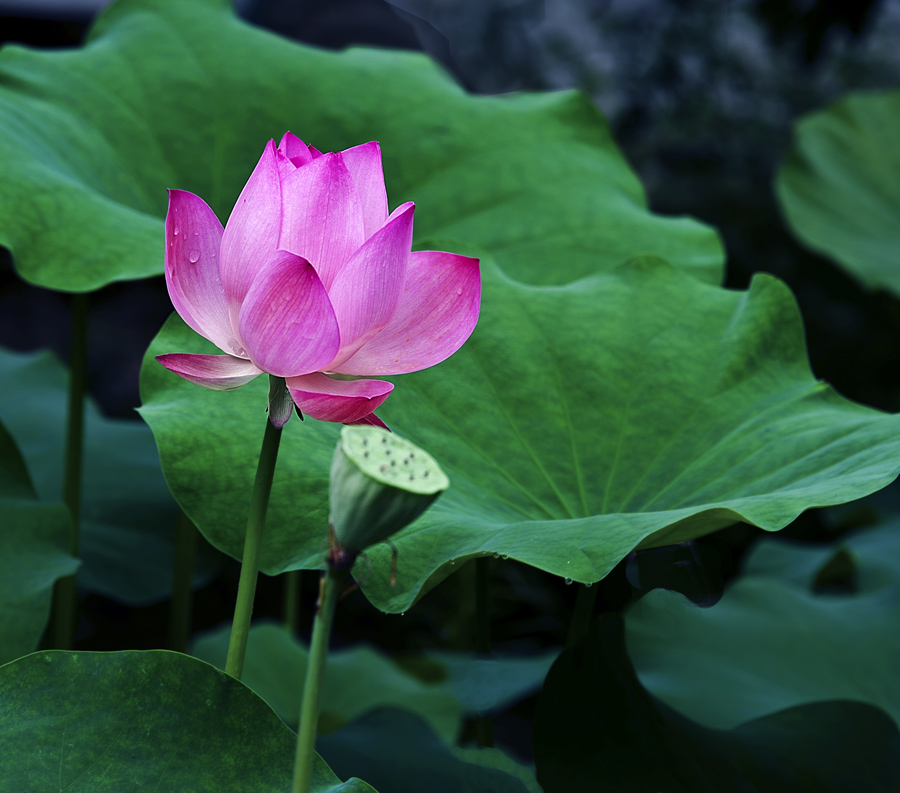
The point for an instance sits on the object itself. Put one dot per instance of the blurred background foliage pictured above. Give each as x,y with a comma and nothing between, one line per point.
701,94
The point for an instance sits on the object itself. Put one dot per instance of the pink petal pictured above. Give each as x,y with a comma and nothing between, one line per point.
219,372
193,236
366,291
295,150
323,219
364,164
286,322
437,312
252,232
344,401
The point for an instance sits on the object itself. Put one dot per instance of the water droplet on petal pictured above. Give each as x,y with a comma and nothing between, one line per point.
459,290
176,231
568,582
194,257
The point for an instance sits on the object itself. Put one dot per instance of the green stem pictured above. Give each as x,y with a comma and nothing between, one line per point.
484,725
582,615
65,596
182,579
292,601
332,583
256,521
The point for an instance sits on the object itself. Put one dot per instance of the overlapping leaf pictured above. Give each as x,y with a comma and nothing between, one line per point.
773,642
357,680
361,679
34,553
152,720
840,186
183,95
637,407
398,752
128,515
597,728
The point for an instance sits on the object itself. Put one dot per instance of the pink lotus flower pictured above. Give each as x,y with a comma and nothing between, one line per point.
312,278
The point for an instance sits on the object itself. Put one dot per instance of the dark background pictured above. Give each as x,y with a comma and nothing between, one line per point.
701,95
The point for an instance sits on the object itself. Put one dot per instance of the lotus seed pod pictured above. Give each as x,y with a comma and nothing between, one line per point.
379,484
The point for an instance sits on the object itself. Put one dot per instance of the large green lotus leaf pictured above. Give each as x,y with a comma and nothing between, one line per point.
127,536
153,720
638,407
596,728
357,680
34,553
184,95
398,752
839,187
773,642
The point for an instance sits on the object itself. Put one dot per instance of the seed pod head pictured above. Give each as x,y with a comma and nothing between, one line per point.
379,484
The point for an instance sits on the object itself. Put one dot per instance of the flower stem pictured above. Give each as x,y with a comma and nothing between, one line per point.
332,583
182,577
582,615
484,725
65,596
292,601
256,521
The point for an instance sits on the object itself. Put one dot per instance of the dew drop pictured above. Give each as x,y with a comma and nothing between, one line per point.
194,257
496,555
459,290
176,231
402,613
589,584
568,582
504,557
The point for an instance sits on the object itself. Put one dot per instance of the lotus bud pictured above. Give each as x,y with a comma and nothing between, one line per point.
379,484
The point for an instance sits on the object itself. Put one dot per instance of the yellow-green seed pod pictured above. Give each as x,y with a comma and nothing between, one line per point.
379,484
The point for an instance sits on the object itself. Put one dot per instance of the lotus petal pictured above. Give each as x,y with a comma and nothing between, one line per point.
287,322
344,401
218,372
437,312
367,289
252,231
193,237
322,215
364,164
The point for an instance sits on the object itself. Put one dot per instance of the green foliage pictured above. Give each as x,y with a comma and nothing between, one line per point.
398,752
183,95
361,679
128,516
597,729
803,624
142,720
34,553
577,424
839,187
357,680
